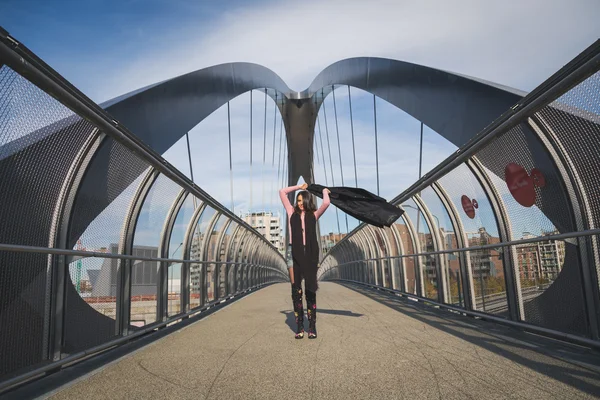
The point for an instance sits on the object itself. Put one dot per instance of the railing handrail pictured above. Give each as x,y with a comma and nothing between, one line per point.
99,254
560,236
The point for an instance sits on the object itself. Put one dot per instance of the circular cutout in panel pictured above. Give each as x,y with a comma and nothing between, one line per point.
520,184
467,206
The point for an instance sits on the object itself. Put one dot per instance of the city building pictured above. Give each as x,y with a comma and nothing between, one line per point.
269,225
330,240
540,261
144,274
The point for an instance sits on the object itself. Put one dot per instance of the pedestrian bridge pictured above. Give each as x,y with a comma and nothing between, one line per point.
120,277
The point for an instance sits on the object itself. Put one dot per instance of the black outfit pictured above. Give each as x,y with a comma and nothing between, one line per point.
361,204
306,259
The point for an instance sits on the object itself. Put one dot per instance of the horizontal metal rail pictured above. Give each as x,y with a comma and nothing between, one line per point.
567,77
560,236
566,337
98,254
74,358
22,60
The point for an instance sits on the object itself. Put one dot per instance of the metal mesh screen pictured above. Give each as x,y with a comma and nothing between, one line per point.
22,316
34,127
425,239
99,211
408,263
223,269
574,120
157,205
211,255
175,251
91,303
535,200
196,270
104,197
144,287
447,235
489,285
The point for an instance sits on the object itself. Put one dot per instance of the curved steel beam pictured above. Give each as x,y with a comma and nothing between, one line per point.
162,113
455,106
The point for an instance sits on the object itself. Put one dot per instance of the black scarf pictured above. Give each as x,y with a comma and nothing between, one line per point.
361,204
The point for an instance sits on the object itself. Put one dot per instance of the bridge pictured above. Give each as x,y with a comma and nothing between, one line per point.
120,277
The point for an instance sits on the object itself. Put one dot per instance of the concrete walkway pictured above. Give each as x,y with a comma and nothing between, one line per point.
370,346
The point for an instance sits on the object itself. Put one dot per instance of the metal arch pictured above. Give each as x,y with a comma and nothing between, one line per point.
236,257
513,284
414,236
437,245
364,248
461,242
187,248
57,271
357,266
454,105
345,252
385,259
180,103
370,254
217,265
163,251
388,237
246,259
125,247
203,256
228,257
375,253
241,260
401,251
344,258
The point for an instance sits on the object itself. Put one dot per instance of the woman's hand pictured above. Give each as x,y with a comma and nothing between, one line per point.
304,186
328,191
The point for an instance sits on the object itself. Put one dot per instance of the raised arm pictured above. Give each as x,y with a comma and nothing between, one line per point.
289,209
325,204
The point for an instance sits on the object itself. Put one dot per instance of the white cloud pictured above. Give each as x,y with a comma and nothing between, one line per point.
518,45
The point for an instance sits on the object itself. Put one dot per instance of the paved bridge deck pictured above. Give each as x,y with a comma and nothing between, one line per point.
370,346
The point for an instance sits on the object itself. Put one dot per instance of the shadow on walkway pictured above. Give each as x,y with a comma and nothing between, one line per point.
573,365
290,319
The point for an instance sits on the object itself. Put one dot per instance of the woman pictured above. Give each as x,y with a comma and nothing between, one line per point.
304,253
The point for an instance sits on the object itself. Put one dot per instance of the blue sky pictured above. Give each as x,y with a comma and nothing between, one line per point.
107,48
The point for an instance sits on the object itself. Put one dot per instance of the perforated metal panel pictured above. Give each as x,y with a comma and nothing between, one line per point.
447,235
91,304
99,211
39,141
22,314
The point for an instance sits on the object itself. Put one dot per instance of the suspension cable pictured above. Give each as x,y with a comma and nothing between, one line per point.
337,130
352,130
187,138
251,189
271,193
376,149
330,161
262,177
230,161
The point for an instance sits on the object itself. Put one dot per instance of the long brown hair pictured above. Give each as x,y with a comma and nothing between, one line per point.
307,200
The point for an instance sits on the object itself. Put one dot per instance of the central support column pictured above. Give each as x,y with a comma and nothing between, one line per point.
299,116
